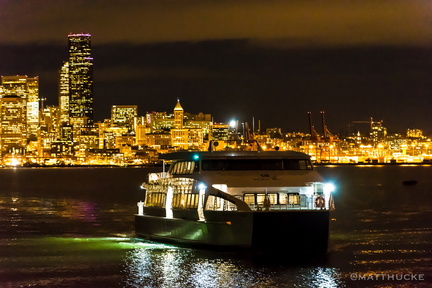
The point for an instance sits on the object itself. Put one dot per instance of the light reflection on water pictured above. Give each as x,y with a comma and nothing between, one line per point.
54,235
179,267
127,262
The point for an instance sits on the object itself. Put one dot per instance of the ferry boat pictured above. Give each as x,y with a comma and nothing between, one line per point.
258,200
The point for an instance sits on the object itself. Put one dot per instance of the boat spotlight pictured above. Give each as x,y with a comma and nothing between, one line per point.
329,188
202,186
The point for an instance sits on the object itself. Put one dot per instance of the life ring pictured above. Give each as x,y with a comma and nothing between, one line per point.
319,202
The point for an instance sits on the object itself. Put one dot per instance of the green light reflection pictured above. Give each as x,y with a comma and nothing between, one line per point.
100,243
47,261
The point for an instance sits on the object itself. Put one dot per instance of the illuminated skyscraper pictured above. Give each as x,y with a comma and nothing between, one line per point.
27,89
13,128
80,79
178,115
179,135
64,94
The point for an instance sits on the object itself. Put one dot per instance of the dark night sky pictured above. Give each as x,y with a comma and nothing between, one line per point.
267,59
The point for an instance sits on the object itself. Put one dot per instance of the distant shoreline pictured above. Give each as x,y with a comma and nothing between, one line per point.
157,165
373,164
78,166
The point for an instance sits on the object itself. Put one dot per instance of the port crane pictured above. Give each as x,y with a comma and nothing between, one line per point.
323,145
327,136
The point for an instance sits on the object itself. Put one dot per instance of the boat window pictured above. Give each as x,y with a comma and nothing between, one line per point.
218,204
297,164
249,199
283,199
254,164
155,199
185,200
183,167
271,196
293,199
258,198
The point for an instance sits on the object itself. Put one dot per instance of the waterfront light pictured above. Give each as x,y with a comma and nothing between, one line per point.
15,162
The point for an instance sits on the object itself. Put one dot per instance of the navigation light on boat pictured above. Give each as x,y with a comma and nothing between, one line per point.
195,156
329,188
202,186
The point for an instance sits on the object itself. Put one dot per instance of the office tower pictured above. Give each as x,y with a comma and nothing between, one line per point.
378,131
179,135
219,132
64,94
123,115
159,121
13,126
80,79
178,115
28,90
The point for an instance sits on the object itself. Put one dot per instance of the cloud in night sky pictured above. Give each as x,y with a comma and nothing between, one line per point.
272,60
305,22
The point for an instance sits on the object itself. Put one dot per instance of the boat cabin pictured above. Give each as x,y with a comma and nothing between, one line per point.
237,181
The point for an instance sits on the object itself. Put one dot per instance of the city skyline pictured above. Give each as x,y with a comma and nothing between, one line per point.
275,74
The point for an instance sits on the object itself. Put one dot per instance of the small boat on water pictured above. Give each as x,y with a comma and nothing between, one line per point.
259,200
409,182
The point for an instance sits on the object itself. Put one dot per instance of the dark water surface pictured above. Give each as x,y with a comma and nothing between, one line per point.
73,227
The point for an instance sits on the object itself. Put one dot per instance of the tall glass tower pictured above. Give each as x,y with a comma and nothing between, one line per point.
64,94
28,89
80,79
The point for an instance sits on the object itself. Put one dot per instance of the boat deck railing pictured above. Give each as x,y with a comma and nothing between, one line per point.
284,207
307,203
